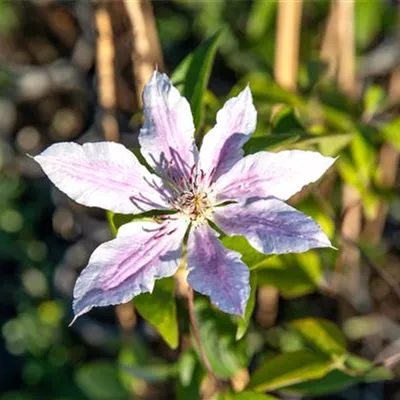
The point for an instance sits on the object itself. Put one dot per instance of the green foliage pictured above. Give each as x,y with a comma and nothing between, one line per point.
288,369
300,355
323,335
159,309
247,395
244,322
100,381
293,274
217,334
193,73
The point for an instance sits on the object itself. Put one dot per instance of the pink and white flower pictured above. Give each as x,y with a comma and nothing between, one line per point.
241,195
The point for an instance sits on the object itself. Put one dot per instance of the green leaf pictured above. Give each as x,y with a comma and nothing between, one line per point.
247,395
159,309
357,363
364,155
378,374
373,100
368,21
285,121
251,257
187,365
194,72
333,382
100,381
152,373
190,389
292,274
260,18
338,380
289,369
217,334
330,145
323,335
270,142
391,132
117,220
244,322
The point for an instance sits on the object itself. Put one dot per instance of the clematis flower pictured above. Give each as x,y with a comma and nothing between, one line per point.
240,195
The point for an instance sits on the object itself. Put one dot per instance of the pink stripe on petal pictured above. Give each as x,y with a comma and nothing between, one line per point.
222,146
271,226
167,136
216,271
105,175
265,174
124,267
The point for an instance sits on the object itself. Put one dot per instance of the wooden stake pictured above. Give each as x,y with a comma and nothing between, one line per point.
106,73
146,54
287,43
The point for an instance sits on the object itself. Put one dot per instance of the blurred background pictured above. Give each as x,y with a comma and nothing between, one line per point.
325,75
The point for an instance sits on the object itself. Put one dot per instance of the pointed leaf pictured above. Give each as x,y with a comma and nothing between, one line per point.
159,309
194,71
217,334
288,369
322,334
244,322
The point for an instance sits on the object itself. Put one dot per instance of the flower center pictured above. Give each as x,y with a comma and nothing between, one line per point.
194,204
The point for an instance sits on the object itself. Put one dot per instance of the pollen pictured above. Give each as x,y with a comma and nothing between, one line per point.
193,204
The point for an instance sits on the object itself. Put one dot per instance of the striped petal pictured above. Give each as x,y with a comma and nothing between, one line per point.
105,175
266,174
216,271
271,226
167,136
124,267
222,146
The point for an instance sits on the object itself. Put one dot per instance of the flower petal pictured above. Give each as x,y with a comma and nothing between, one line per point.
167,136
124,267
268,174
217,271
222,146
105,175
271,226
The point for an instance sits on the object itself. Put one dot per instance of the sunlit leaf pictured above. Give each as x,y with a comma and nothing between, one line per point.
334,381
159,309
244,322
247,395
292,274
323,335
391,132
368,21
289,369
373,100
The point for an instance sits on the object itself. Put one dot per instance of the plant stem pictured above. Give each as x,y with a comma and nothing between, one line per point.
195,330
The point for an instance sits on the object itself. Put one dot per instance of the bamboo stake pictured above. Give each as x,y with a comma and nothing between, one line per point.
287,42
329,46
346,48
389,159
347,279
286,67
106,73
146,54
